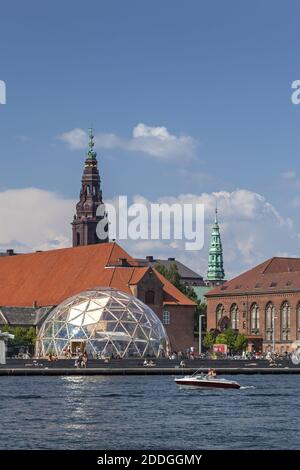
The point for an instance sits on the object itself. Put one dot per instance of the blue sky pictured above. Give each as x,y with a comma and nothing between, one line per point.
217,72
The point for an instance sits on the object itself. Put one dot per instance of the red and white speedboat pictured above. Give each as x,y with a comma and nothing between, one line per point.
204,381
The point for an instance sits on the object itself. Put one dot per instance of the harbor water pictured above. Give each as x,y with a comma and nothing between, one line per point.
148,412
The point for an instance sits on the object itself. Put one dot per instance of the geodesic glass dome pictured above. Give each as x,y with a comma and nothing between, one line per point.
105,323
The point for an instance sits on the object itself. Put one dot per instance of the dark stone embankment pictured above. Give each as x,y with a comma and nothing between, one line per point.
135,367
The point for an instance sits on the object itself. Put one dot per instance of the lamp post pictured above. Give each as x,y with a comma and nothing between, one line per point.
200,333
273,328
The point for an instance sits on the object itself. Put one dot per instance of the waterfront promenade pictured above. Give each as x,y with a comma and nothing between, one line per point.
135,367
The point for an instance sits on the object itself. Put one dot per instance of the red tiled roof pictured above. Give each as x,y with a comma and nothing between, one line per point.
272,275
50,277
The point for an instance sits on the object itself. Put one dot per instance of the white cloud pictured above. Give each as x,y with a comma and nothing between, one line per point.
288,175
290,178
157,142
34,219
75,139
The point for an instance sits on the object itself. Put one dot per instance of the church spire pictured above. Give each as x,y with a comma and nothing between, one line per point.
91,154
86,219
215,273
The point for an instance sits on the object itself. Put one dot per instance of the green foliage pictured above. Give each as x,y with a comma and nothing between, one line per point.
236,342
23,336
241,342
208,339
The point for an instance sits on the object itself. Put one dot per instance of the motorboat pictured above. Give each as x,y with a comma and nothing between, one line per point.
205,381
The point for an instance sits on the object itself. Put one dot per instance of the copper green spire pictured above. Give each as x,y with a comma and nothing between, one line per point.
91,152
215,273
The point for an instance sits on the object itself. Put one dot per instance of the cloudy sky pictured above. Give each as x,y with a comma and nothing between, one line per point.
190,101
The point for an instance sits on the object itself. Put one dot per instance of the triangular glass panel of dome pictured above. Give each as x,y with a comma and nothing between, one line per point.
92,317
141,346
136,315
51,348
144,321
48,330
81,306
147,330
98,345
61,345
118,336
139,334
121,302
108,316
75,332
149,350
45,343
95,304
77,321
63,332
138,306
132,351
127,316
73,313
129,327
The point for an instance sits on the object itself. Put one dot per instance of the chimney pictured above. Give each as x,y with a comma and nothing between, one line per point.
171,259
149,258
10,252
34,304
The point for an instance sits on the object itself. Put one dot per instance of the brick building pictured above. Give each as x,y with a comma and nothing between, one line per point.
263,303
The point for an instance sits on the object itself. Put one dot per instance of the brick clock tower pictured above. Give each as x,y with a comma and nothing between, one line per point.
86,219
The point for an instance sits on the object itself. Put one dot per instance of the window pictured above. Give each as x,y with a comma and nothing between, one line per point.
285,316
149,297
254,315
270,314
77,238
166,317
234,316
219,314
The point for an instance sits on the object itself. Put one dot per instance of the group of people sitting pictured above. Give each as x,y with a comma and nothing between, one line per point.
81,360
147,363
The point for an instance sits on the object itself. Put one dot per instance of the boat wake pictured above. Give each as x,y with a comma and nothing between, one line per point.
246,387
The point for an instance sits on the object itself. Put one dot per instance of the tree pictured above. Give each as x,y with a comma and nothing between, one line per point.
208,339
228,337
241,342
23,336
235,341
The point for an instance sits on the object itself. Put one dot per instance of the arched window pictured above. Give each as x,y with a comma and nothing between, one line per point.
219,314
166,317
285,316
298,321
77,238
149,297
234,316
224,323
88,190
270,314
254,315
